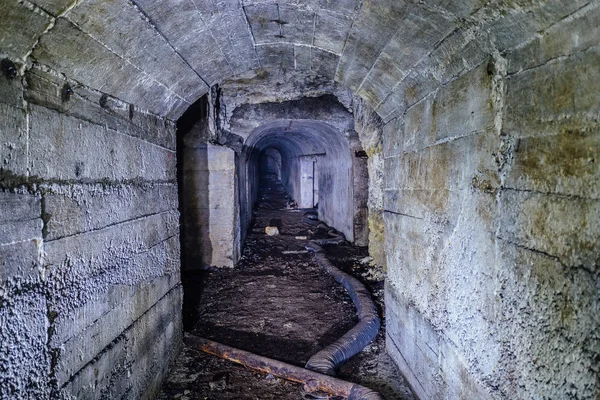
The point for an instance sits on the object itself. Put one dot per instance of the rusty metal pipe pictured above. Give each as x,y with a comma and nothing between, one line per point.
313,381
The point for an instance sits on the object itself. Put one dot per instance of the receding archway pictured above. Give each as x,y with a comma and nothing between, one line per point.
303,144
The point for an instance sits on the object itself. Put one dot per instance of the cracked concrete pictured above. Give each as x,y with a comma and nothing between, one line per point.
488,157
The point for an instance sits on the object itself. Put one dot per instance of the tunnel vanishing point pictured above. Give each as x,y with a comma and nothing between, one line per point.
458,139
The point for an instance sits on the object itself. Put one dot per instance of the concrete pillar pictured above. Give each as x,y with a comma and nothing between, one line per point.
210,204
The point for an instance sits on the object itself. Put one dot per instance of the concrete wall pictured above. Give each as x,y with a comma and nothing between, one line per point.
270,163
492,223
369,127
490,149
209,205
90,295
310,127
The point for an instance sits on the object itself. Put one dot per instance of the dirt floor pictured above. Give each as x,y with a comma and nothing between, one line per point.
278,303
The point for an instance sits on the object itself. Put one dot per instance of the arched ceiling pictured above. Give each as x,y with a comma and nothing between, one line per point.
294,138
162,55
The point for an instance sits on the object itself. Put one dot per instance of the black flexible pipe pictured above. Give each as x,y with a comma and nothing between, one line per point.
327,360
330,358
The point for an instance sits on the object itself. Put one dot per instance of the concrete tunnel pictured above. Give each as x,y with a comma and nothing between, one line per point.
458,140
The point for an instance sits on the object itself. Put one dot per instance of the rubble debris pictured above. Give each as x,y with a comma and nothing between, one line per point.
271,230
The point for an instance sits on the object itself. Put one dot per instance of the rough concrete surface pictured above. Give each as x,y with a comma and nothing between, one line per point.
278,302
90,291
488,161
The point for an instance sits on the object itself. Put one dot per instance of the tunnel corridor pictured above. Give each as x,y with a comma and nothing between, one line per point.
279,302
146,145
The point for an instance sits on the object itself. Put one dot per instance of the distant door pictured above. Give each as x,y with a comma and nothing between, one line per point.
306,183
315,181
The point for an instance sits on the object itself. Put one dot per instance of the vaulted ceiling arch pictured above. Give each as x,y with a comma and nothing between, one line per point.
162,55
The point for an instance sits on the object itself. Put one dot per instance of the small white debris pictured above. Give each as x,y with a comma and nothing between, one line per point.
271,230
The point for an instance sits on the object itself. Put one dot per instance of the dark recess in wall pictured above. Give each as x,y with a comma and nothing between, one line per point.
191,279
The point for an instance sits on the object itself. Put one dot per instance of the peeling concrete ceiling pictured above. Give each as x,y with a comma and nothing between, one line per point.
162,55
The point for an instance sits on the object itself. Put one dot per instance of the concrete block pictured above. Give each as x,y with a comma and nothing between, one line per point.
557,97
116,302
514,28
324,63
393,137
340,6
564,227
104,376
299,23
517,25
547,311
302,57
13,148
418,124
562,164
21,24
79,350
20,217
331,30
54,7
46,89
220,158
422,203
418,33
221,196
136,40
24,362
458,383
84,265
93,65
115,156
81,208
230,31
415,86
20,236
454,164
459,9
464,105
12,92
411,246
335,194
373,28
426,358
209,205
278,55
571,35
190,36
20,260
460,52
263,23
157,335
403,324
382,79
393,175
281,23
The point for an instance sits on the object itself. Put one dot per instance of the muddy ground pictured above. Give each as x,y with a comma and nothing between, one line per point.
278,303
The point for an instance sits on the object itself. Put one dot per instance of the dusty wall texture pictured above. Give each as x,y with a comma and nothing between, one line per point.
319,127
90,297
255,99
489,112
492,223
209,206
